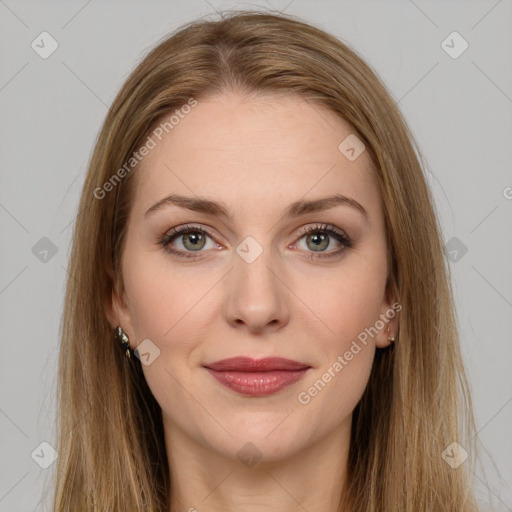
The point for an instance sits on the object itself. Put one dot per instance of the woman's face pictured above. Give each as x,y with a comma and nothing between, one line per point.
253,283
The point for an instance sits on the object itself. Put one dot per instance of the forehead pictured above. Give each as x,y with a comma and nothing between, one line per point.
252,152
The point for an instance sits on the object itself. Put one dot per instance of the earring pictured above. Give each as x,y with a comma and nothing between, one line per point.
122,338
390,338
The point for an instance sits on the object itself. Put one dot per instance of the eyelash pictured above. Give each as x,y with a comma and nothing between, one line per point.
346,241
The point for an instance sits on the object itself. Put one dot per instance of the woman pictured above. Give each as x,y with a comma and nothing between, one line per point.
259,314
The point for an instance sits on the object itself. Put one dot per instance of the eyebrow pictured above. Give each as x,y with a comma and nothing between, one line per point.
220,209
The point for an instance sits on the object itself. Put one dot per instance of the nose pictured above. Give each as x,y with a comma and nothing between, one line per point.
256,296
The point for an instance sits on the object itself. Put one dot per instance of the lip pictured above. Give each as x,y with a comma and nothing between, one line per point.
247,364
257,377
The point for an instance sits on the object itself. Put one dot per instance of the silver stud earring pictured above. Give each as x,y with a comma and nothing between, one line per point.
390,338
123,340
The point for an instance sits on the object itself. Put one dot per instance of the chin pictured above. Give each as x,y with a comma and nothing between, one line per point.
262,445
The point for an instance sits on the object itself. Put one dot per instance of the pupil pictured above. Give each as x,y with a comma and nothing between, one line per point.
193,238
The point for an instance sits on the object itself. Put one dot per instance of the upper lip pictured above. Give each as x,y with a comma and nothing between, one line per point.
247,364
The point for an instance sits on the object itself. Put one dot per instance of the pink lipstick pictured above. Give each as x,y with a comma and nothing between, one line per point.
257,377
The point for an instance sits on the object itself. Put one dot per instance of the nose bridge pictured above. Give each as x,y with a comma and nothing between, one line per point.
253,262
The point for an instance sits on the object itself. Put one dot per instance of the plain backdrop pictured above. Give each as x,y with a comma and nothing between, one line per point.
459,107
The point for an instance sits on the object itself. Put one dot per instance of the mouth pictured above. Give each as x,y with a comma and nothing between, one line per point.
257,377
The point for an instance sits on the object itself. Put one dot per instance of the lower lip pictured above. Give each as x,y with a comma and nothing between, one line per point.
257,383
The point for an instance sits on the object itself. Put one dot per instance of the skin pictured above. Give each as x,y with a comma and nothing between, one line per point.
256,154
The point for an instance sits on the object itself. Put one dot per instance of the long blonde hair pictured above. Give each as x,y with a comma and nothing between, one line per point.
110,442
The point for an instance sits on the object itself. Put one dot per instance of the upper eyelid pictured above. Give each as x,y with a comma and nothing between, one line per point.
321,226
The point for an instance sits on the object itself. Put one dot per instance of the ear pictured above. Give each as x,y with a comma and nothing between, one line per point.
389,317
117,310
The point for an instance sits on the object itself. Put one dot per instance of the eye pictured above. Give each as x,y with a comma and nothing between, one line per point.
317,238
193,239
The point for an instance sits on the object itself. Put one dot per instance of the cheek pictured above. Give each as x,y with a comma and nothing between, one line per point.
337,385
349,303
162,303
347,300
161,297
332,392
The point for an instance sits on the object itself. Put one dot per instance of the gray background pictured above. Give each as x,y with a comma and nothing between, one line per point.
458,108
